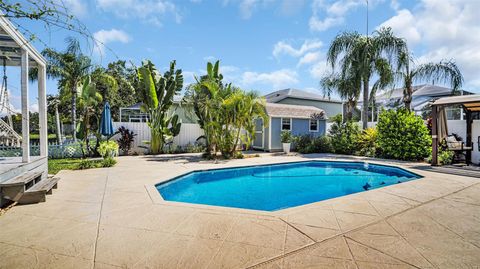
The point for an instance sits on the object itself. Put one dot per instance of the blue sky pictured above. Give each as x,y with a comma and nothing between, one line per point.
264,45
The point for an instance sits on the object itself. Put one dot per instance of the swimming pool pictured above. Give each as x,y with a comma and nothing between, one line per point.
279,186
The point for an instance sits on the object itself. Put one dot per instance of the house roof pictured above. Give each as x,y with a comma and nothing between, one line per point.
462,99
419,90
292,111
12,43
277,96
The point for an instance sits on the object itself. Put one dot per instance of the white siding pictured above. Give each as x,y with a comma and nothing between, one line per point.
189,132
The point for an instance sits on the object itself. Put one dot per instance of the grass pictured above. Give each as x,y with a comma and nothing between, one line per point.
37,136
55,165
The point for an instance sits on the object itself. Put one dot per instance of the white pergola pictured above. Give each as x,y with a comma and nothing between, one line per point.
17,51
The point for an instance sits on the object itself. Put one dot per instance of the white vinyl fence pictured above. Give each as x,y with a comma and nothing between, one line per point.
189,132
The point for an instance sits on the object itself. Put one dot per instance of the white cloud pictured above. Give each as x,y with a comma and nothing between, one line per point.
404,25
76,7
150,11
283,78
327,14
248,7
319,69
283,47
103,37
444,30
321,25
309,58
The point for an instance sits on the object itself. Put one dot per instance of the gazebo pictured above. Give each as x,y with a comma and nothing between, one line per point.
470,104
24,179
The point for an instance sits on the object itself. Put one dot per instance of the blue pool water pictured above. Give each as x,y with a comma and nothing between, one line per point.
279,186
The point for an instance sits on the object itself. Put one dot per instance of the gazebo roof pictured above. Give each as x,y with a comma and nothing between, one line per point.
470,102
11,44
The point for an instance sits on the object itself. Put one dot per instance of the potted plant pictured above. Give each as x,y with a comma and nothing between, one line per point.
286,138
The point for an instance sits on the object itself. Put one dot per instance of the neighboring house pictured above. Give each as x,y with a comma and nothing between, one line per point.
422,96
134,114
304,98
297,119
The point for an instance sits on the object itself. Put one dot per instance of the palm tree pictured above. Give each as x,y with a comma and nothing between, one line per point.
52,103
89,100
370,55
444,72
70,67
348,88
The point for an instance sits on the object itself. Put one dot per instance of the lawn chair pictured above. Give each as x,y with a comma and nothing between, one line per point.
458,147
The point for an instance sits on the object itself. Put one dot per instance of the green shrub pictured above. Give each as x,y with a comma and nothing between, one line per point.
108,162
445,157
87,164
344,135
286,137
108,148
367,143
402,135
311,144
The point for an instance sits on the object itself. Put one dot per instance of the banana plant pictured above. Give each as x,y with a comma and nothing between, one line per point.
157,92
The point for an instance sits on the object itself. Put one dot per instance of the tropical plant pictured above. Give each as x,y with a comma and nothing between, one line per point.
367,143
344,135
108,149
157,92
52,103
88,99
286,137
347,87
224,112
446,72
403,135
200,97
310,144
126,139
70,67
367,56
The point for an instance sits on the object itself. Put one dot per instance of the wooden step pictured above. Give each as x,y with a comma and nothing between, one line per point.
23,179
38,192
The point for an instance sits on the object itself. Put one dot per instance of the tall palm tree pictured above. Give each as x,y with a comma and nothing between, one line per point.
70,67
370,55
52,103
348,88
446,72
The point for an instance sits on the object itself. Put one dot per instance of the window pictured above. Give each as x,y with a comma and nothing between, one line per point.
286,124
453,112
313,125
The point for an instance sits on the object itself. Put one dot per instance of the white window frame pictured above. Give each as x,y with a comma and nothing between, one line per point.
310,126
281,124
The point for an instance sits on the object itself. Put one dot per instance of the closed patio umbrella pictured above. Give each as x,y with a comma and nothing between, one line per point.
106,124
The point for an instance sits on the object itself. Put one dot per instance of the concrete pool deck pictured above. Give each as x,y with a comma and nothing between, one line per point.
114,218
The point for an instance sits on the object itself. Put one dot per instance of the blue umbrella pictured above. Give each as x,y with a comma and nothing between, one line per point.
106,124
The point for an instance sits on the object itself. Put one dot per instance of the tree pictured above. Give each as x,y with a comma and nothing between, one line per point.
52,103
443,72
224,111
200,95
157,93
117,87
348,88
70,67
370,55
89,100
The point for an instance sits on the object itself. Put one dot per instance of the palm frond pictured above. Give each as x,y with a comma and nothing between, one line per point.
446,72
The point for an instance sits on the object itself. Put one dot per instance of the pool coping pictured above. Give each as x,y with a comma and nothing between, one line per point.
157,198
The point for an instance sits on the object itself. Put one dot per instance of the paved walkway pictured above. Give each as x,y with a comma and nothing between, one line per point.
110,218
